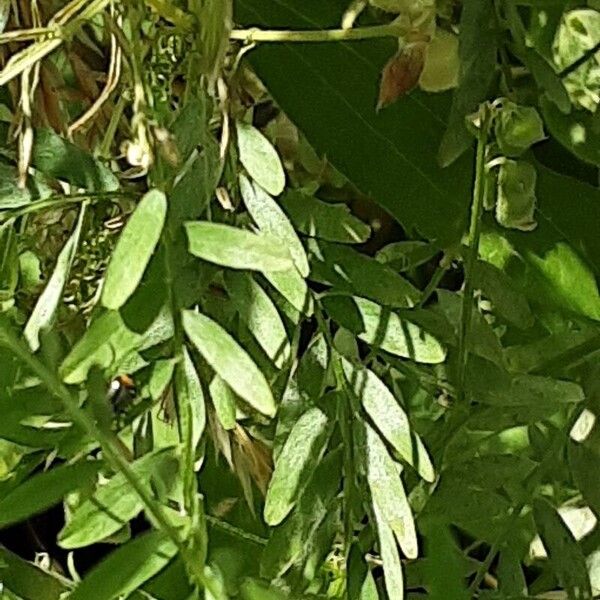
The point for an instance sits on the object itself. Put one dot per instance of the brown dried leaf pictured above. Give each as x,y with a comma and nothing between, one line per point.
401,73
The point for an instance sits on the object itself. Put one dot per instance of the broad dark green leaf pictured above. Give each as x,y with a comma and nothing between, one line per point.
115,503
298,458
9,261
271,219
237,248
44,490
253,589
349,271
44,313
55,156
134,250
390,503
260,315
230,361
565,555
27,580
332,98
477,51
260,159
384,329
312,372
126,568
329,222
389,417
11,195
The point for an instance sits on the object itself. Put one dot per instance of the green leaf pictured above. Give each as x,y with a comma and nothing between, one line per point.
577,131
236,248
116,503
134,250
253,589
289,541
260,159
106,342
347,270
565,555
230,361
404,256
507,301
568,280
27,580
332,97
43,490
271,219
393,576
329,222
293,288
191,410
9,261
390,503
389,417
385,329
11,195
297,459
260,315
55,156
44,313
477,52
223,400
126,568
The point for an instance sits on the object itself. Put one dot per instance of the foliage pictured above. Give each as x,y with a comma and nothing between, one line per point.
292,309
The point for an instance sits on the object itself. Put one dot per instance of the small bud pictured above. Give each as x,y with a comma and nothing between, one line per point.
401,73
515,206
517,128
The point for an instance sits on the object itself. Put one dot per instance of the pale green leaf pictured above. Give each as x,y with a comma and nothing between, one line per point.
191,410
291,285
115,503
134,249
392,567
260,315
389,498
260,159
297,459
271,219
230,361
385,329
389,417
223,399
236,248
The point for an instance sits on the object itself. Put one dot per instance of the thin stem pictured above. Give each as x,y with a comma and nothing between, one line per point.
27,35
55,202
479,194
322,35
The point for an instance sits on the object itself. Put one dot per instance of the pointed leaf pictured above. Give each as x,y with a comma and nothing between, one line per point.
190,402
43,490
260,315
223,400
293,288
45,309
389,417
271,219
389,498
329,222
297,459
385,329
392,567
126,568
115,503
134,249
230,361
236,248
260,159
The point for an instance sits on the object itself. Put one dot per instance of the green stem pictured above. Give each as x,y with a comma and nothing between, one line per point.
479,195
254,35
27,35
56,202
